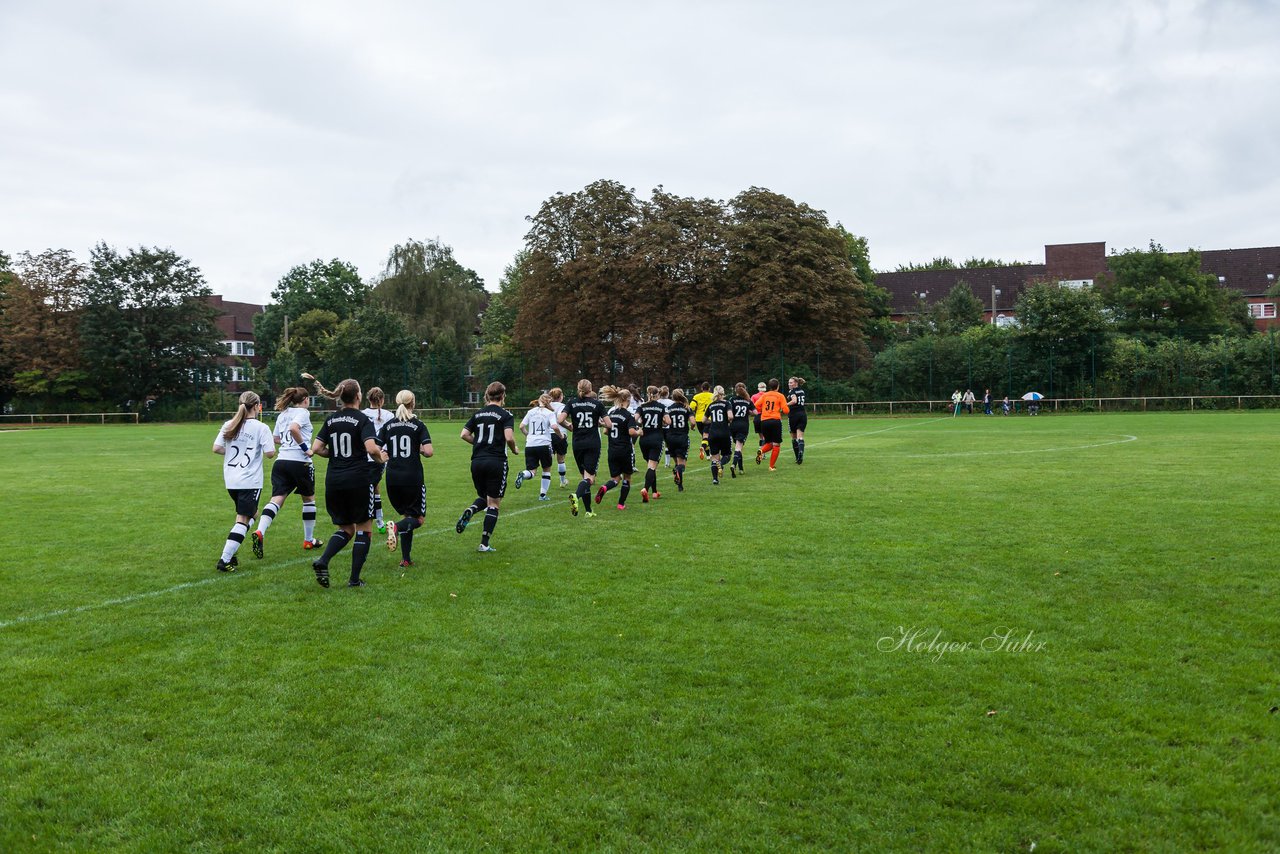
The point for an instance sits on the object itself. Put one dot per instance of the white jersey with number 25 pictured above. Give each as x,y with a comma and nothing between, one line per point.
242,464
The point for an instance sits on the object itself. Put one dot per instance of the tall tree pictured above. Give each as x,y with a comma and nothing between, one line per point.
881,330
958,311
375,347
436,295
7,282
501,358
42,324
789,282
332,286
1154,294
146,329
582,264
1063,329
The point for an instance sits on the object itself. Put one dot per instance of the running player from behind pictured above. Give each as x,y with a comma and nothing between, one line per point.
405,439
242,442
489,432
379,417
559,439
797,419
540,428
293,470
718,417
623,430
741,407
585,416
654,420
699,405
772,406
680,419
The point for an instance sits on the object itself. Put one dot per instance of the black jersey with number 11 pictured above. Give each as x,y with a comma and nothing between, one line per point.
489,428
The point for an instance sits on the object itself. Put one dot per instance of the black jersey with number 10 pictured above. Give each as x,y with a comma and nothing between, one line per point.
345,432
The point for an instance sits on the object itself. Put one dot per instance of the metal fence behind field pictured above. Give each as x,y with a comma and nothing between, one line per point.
32,419
1178,403
452,413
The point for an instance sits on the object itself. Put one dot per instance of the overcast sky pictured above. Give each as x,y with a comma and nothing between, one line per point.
253,136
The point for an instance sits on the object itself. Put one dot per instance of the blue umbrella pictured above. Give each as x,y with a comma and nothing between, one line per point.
1033,395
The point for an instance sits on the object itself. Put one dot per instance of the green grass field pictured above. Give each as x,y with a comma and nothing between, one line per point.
723,669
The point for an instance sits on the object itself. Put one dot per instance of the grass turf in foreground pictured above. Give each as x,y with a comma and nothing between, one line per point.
721,669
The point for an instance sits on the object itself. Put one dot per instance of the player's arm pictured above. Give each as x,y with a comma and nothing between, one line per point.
468,437
319,449
565,421
510,436
373,449
426,449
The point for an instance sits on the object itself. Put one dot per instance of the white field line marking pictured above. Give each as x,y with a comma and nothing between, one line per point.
240,573
1126,438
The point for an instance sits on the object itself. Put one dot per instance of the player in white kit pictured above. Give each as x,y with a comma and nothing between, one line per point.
243,442
293,471
379,417
540,424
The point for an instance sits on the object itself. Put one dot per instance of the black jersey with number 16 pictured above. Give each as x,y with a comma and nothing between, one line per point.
717,419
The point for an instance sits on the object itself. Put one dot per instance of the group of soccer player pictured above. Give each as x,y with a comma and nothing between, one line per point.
362,444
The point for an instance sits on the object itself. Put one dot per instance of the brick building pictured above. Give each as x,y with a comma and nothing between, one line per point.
1252,272
235,322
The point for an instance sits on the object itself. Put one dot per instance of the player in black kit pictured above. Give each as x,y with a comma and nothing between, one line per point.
404,438
490,431
680,417
584,416
797,419
346,437
717,420
653,421
742,410
623,429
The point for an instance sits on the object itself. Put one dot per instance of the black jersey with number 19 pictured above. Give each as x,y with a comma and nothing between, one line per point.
403,440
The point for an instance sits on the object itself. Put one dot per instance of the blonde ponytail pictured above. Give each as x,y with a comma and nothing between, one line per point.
405,401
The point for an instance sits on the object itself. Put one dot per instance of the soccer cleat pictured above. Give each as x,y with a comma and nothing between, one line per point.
564,481
257,544
223,566
772,468
590,515
759,456
622,507
382,526
392,542
313,543
644,496
483,548
463,520
406,563
715,481
573,504
702,453
322,572
656,495
544,497
355,582
600,494
733,472
519,479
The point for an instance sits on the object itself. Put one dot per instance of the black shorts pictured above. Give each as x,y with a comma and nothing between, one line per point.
587,458
722,445
375,473
559,445
738,434
246,501
702,428
293,476
622,461
535,457
489,474
771,430
797,422
678,448
756,421
651,448
409,499
349,505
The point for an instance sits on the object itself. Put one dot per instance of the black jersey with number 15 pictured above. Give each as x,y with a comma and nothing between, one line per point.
489,428
797,408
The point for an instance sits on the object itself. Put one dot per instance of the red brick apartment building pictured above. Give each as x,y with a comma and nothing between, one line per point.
235,322
1252,272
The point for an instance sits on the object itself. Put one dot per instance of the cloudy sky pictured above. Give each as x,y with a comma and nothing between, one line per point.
253,136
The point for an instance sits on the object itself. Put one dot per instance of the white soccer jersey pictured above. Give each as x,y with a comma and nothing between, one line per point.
540,424
289,449
242,463
379,417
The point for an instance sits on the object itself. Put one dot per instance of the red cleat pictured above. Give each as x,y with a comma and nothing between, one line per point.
656,495
644,496
600,494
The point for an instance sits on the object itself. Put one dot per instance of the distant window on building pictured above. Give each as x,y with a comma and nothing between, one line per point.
1076,284
1262,310
471,370
473,397
1006,320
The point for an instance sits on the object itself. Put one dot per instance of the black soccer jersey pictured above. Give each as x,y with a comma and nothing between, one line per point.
345,432
717,419
585,414
489,426
797,408
402,441
650,415
680,416
621,423
741,407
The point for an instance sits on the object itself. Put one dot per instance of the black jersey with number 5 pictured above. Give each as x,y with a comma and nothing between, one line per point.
488,428
621,422
402,441
585,414
345,432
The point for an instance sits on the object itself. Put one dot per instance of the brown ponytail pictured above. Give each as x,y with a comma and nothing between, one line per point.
249,403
